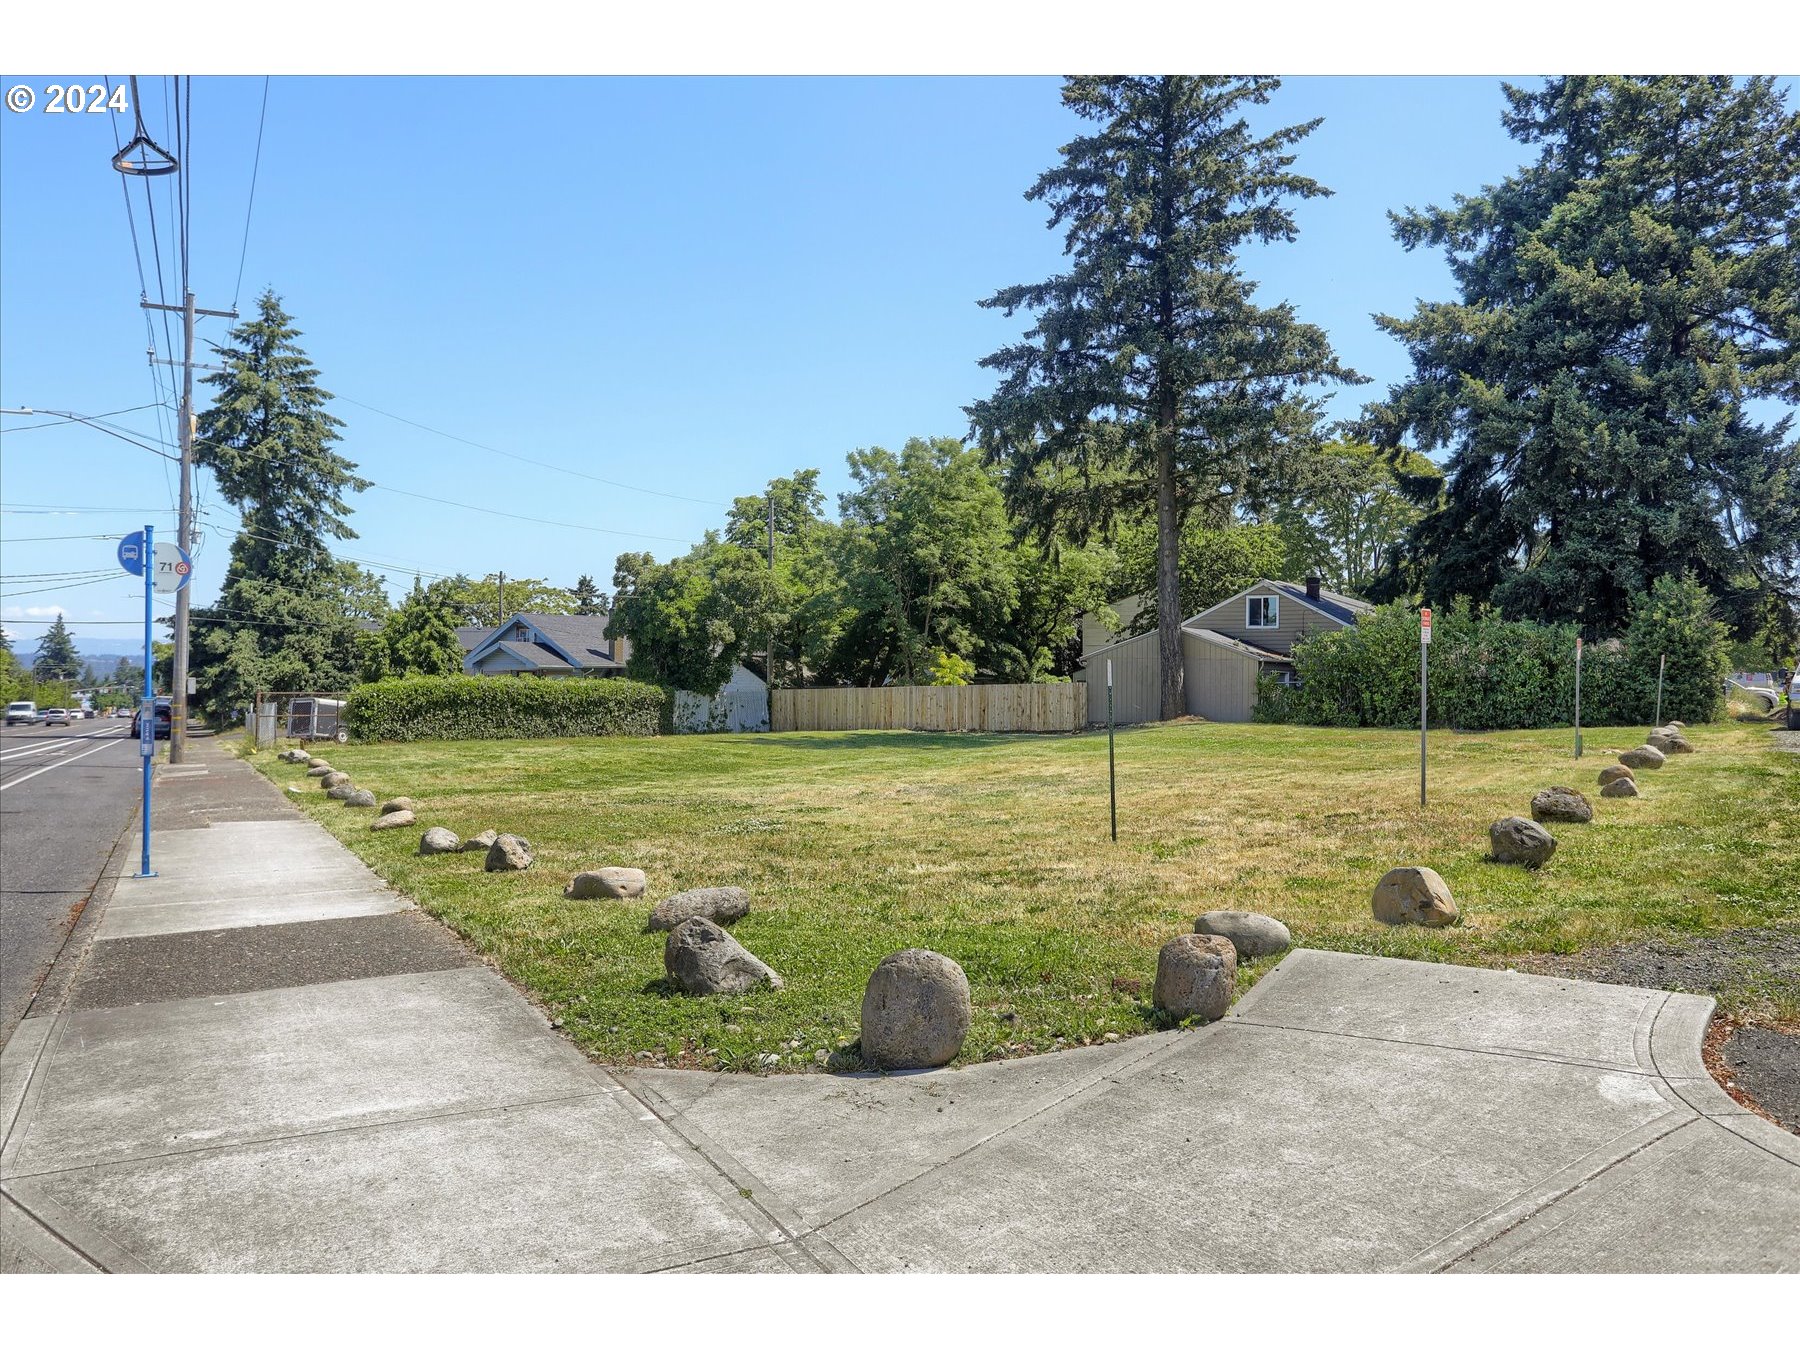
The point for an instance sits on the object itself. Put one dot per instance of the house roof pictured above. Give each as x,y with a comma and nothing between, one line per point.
1237,644
533,654
550,642
1343,608
472,637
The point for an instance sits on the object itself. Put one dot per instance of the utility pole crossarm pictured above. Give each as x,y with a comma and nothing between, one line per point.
183,309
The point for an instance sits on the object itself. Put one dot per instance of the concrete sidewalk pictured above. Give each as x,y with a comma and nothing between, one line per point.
266,1061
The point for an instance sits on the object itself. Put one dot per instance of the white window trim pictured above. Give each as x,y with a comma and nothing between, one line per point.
1273,602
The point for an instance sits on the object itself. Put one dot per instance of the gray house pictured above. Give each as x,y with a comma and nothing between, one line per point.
545,644
1224,650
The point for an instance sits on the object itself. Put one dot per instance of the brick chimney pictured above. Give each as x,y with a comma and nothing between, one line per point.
1312,588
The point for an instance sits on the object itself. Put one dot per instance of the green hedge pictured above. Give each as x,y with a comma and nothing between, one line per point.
1489,673
482,707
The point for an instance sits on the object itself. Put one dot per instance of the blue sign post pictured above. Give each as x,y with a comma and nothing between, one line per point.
135,551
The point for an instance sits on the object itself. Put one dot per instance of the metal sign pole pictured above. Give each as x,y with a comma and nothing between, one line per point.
1662,664
147,710
1112,772
1577,698
1424,686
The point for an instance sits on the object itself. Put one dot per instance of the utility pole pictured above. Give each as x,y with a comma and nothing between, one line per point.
500,601
184,528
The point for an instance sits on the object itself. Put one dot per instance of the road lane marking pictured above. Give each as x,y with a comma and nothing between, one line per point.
66,759
56,742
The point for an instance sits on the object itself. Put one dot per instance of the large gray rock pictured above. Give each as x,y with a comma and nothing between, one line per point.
1413,895
336,778
724,905
607,883
1196,976
318,770
1670,741
1613,772
295,757
480,843
399,804
1644,757
915,1011
393,820
1620,787
342,792
508,852
701,958
361,797
436,840
1679,726
1514,839
1251,934
314,762
1562,804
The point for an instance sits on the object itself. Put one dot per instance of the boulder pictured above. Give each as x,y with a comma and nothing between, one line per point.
1679,726
607,883
318,771
1413,895
1196,976
361,797
1644,757
1251,934
1514,839
915,1011
435,840
508,852
724,905
1620,787
393,820
701,958
1613,772
1563,804
1670,741
336,778
342,792
314,762
480,843
294,756
399,804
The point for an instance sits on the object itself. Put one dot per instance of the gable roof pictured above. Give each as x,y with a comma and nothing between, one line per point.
577,641
1238,645
533,654
1343,608
472,637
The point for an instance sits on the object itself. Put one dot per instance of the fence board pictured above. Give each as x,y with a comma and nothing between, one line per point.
968,707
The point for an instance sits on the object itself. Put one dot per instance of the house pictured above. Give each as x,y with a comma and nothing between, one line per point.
561,645
545,644
1224,650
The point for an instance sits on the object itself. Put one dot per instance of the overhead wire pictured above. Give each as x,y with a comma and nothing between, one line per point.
98,417
250,207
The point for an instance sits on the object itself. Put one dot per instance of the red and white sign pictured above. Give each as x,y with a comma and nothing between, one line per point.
1425,627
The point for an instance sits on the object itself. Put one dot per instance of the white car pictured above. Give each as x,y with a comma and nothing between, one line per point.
23,711
57,717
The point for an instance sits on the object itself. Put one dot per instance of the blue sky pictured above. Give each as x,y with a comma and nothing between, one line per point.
685,285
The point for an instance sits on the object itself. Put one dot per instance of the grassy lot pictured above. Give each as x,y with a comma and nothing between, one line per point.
994,850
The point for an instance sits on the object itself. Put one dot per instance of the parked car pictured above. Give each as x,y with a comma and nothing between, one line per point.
164,719
57,717
24,711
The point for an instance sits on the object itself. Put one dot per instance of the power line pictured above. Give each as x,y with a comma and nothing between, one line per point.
526,459
97,425
47,538
533,520
110,575
36,426
256,165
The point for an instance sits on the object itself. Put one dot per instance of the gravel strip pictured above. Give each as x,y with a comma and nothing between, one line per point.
1764,1064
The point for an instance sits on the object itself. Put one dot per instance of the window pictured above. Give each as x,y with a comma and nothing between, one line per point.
1262,611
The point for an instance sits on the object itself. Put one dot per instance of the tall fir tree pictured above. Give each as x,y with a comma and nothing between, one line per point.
588,599
282,620
1152,384
1625,299
57,658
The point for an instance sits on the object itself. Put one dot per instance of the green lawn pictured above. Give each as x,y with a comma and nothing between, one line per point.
994,850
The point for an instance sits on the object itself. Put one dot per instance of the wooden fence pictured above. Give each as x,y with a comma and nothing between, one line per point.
966,707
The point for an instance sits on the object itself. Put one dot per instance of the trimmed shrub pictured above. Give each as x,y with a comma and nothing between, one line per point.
1493,674
486,707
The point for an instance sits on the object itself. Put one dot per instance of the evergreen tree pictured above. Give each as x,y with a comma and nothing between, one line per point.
588,599
1151,382
419,638
57,658
283,620
1624,299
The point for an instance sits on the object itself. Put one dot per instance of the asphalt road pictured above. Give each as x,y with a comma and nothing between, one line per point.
65,794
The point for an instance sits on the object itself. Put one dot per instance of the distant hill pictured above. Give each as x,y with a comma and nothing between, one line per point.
103,652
